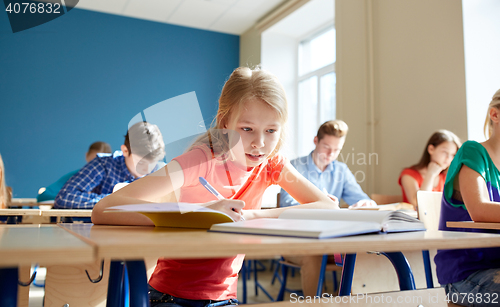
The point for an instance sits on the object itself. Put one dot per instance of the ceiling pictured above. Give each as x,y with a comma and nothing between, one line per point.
313,15
227,16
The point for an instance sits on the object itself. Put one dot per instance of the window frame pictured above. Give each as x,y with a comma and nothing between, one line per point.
319,73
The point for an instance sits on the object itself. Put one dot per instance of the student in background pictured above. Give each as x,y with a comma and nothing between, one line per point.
139,155
472,192
4,193
50,192
324,171
429,173
239,157
332,177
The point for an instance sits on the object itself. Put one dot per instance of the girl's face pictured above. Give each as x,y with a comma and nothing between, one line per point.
443,153
259,129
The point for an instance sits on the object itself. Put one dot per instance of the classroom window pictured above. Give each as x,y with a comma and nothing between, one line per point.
316,85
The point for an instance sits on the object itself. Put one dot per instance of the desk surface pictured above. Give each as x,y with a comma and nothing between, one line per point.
50,212
45,244
67,212
133,242
18,202
27,212
471,224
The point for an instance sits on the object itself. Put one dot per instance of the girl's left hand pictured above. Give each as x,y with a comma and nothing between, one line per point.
231,207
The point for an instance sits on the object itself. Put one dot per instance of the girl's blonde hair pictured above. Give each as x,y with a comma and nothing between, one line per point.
4,197
243,85
488,124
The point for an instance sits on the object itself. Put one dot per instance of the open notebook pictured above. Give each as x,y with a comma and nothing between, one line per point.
183,215
325,223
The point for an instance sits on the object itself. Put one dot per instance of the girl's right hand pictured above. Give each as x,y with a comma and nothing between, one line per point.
231,207
434,168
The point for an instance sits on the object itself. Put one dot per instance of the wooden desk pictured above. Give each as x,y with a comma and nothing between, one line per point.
22,245
67,212
44,213
16,212
19,202
134,242
473,225
45,244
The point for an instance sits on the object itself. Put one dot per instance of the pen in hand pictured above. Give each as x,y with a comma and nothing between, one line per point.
212,190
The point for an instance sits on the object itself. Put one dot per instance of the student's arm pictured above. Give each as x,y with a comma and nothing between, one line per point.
301,189
147,189
410,185
476,198
433,171
77,192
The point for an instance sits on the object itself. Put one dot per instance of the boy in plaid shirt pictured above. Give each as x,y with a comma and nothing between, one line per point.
142,150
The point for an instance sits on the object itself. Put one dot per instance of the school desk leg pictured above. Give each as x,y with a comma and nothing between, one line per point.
116,289
8,287
244,281
321,279
284,273
347,274
138,283
403,270
428,270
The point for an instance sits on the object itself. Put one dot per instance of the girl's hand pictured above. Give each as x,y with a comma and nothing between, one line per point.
434,168
334,198
231,207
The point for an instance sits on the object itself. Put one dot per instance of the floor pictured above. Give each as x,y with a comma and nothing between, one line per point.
265,270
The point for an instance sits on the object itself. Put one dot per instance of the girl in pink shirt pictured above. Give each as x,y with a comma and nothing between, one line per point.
429,173
239,156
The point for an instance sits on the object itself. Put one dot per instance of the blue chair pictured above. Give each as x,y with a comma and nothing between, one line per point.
249,267
284,265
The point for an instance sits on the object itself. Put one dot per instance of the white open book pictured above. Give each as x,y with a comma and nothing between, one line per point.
325,223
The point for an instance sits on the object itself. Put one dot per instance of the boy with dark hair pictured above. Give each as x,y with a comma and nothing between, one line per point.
50,192
143,148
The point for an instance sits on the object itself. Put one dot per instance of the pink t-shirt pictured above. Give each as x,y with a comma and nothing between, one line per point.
213,279
418,177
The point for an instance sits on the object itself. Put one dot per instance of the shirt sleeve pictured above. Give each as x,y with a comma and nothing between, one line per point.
194,163
352,192
52,190
77,192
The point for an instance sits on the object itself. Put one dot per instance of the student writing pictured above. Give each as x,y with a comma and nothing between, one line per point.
472,192
331,176
429,173
50,192
142,149
324,171
240,158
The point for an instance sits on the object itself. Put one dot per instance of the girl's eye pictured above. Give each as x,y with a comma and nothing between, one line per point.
246,129
271,130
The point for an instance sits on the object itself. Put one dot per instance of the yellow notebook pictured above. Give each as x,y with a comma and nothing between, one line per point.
183,215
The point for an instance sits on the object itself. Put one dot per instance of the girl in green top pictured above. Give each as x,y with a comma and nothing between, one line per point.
472,192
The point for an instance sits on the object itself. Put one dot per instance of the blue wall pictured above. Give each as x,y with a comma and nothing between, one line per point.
82,77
